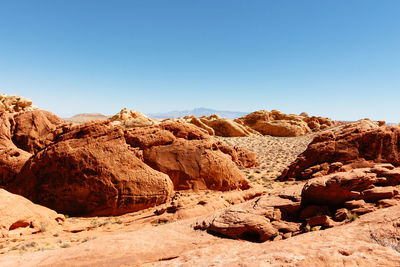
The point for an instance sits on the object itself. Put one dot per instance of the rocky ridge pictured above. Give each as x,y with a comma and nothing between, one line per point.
276,123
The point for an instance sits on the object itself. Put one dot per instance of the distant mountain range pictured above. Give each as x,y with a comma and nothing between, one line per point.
198,112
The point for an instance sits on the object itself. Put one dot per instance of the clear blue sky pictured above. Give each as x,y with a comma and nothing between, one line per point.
339,58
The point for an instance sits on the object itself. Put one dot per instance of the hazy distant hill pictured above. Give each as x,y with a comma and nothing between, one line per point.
198,112
84,117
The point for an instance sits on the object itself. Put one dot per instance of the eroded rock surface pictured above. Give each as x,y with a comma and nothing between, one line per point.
215,125
194,165
353,147
190,157
33,130
20,216
90,170
14,103
321,203
279,124
131,118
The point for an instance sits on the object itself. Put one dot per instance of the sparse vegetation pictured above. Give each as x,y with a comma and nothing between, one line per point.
352,216
159,222
389,238
117,221
94,223
65,245
31,244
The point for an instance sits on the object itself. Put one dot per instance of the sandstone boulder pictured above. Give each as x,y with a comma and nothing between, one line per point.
240,156
33,130
363,124
322,220
196,121
12,159
377,193
131,118
23,133
146,137
167,132
242,225
341,214
14,103
261,219
335,189
223,127
195,165
304,114
279,124
286,128
354,146
20,216
90,170
184,130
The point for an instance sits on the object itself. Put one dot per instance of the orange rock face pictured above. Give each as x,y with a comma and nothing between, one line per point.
33,130
279,124
216,125
242,157
21,134
19,216
91,170
194,165
337,188
190,157
131,118
353,146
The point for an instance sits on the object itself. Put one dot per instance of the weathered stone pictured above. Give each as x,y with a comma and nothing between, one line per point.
350,145
341,215
90,170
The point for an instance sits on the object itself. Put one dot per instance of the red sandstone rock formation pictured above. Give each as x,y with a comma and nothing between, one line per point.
14,103
23,133
190,157
353,146
12,159
216,125
278,124
90,170
99,169
130,119
241,157
321,203
194,165
33,130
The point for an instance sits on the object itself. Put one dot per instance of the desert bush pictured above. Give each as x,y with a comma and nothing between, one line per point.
352,216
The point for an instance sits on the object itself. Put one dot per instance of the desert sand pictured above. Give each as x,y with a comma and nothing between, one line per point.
274,154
